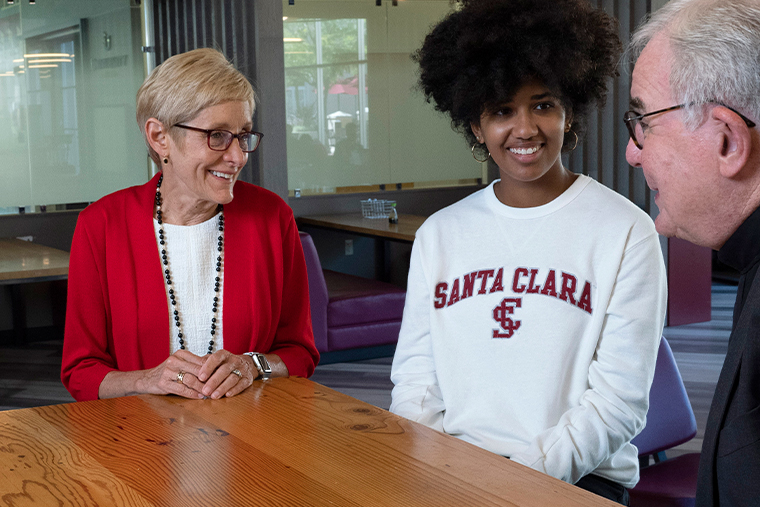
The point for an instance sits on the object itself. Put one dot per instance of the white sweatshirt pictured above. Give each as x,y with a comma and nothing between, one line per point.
533,332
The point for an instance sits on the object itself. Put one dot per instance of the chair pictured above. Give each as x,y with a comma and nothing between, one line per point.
350,312
670,422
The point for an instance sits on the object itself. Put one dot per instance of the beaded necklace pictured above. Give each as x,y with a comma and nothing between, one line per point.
168,275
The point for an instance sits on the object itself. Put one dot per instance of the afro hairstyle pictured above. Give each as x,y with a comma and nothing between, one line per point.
480,55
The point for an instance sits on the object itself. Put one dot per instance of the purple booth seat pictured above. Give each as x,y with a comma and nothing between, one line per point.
670,422
349,311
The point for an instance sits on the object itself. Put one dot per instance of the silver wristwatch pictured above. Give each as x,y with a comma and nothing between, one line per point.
261,363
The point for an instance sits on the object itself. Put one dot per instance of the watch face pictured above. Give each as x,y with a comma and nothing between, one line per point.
262,365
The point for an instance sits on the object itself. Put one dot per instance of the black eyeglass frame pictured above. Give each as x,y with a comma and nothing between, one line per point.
630,118
255,135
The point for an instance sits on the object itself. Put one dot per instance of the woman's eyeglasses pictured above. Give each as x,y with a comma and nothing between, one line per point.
220,140
637,130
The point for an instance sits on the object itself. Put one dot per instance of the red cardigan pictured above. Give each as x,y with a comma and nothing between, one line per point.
117,316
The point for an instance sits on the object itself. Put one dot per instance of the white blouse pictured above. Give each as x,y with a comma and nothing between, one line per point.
192,252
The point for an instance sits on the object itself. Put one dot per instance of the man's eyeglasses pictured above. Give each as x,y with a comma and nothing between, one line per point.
220,140
637,130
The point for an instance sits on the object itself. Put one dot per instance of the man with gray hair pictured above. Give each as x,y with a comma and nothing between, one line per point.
695,100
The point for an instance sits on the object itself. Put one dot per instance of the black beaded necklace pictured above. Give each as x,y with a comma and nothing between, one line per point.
168,275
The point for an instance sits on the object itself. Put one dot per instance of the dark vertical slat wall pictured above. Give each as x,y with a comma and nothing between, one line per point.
227,25
601,155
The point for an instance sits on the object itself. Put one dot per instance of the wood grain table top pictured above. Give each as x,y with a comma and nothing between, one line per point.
23,261
285,442
404,230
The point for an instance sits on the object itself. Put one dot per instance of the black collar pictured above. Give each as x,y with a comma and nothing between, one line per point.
742,250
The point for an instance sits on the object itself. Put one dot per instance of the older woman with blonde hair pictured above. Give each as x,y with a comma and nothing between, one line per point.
194,283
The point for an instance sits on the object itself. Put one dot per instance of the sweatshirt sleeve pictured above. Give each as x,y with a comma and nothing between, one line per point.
416,394
613,409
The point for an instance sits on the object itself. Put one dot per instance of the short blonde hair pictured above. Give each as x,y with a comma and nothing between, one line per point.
182,86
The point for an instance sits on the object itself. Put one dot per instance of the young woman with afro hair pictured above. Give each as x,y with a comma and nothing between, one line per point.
535,306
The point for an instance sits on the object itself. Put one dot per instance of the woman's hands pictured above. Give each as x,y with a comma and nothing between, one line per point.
190,376
187,375
217,374
163,379
177,375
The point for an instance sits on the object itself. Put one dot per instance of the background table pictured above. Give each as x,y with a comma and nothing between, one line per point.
404,230
26,262
377,228
288,441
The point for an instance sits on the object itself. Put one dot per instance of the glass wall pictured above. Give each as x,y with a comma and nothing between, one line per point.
69,72
355,118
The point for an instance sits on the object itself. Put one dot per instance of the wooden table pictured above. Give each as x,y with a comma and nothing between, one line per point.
286,442
404,230
26,262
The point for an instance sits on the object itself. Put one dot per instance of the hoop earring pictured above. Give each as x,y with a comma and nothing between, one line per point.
576,140
476,158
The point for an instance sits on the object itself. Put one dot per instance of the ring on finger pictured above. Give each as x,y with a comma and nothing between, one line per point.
237,372
180,376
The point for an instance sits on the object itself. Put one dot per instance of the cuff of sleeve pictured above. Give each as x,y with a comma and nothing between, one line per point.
298,360
84,384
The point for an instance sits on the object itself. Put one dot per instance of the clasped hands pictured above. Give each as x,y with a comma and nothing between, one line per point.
211,376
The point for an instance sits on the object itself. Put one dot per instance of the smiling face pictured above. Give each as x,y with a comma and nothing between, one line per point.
678,163
524,137
198,178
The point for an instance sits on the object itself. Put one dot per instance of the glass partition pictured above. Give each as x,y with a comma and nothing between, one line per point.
69,72
356,121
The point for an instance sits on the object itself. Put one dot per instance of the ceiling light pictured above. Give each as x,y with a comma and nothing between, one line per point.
48,55
51,60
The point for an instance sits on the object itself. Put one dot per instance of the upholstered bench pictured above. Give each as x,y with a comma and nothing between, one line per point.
350,312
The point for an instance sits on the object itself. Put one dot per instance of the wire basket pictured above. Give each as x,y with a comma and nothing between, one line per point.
376,208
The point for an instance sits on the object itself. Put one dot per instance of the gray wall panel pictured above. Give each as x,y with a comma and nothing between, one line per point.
601,154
